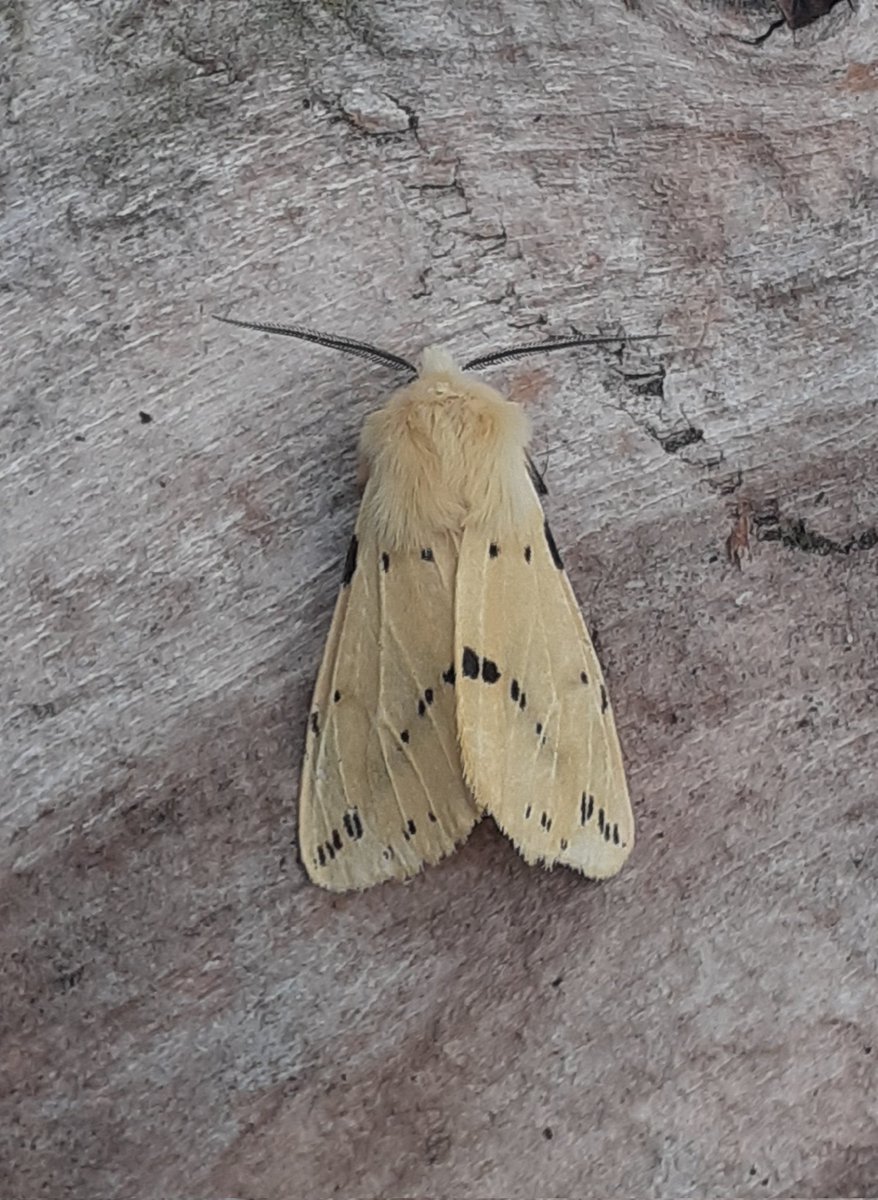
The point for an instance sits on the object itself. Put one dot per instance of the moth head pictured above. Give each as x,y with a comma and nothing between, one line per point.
435,360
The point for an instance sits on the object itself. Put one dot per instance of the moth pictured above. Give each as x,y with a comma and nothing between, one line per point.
458,678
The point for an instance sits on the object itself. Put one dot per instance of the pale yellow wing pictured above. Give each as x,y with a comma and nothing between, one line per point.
382,782
537,735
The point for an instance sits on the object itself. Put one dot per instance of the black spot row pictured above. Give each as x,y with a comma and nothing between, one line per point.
494,551
609,832
518,696
353,825
350,565
353,828
553,549
545,819
470,666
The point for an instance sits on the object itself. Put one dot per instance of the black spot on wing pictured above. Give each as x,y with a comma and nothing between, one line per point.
404,736
336,696
422,708
493,550
586,808
432,816
522,701
315,724
449,676
514,691
583,678
385,562
546,822
427,554
353,829
490,673
615,834
470,663
601,820
428,695
553,549
527,813
350,563
539,728
527,554
604,699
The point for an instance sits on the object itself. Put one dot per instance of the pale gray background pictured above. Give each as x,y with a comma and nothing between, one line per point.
184,1016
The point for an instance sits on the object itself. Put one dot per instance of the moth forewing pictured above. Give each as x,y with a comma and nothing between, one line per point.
382,787
537,734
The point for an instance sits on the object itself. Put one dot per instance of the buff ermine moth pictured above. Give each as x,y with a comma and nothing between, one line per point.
458,677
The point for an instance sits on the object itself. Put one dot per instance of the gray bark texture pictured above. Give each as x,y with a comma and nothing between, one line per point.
184,1016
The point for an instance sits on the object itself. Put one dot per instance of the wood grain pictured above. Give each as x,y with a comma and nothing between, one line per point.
182,1014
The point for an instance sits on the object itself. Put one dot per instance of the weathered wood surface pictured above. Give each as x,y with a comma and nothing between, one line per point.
183,1015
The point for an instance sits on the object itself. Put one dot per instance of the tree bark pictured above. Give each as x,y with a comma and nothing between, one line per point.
183,1013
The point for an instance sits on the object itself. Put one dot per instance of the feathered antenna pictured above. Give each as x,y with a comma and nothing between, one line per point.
496,356
376,354
348,345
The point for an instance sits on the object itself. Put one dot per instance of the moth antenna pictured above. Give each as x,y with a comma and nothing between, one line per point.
333,341
496,356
